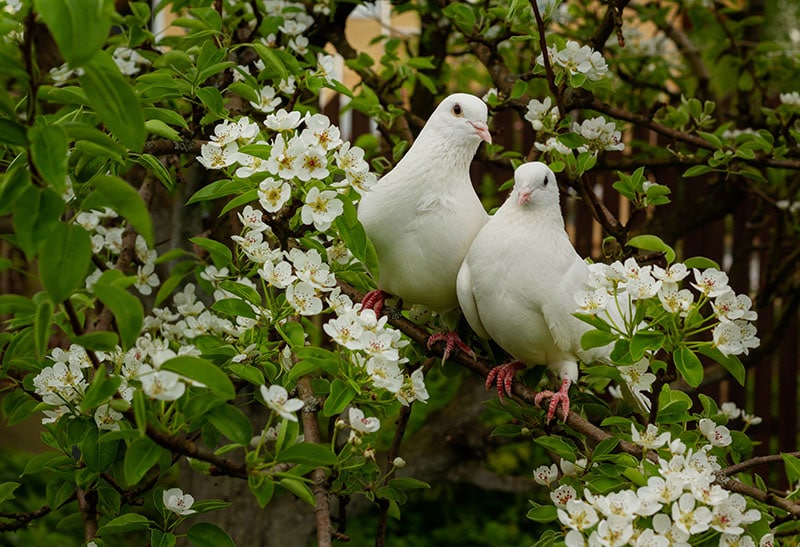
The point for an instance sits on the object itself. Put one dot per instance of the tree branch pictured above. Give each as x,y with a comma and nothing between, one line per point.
322,509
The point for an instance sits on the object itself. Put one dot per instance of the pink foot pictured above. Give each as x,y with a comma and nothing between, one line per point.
452,341
374,300
503,376
562,396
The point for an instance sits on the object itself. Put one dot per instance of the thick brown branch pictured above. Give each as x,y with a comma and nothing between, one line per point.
87,505
322,509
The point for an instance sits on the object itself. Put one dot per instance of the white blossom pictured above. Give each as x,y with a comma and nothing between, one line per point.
730,307
730,410
792,98
282,120
562,495
179,503
599,135
277,398
592,302
717,435
162,385
545,475
107,418
362,424
578,515
321,208
320,133
711,282
303,298
385,374
267,100
688,517
650,438
539,112
214,156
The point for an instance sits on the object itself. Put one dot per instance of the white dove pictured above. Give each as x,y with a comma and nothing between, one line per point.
518,281
423,214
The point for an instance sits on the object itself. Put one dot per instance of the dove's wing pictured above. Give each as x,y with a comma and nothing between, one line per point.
466,299
559,306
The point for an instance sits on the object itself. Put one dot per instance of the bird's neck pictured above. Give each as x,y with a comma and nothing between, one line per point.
432,152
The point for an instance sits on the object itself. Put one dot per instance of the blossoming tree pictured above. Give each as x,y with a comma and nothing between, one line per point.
184,267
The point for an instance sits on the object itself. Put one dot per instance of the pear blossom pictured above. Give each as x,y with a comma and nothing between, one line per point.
303,298
552,144
226,133
385,374
562,495
267,100
638,376
734,338
248,130
572,468
539,111
277,398
750,419
736,540
361,424
162,385
277,275
599,135
717,435
326,66
730,410
643,289
273,194
249,165
321,208
767,540
592,302
107,418
614,531
675,300
282,120
708,492
346,330
179,503
545,475
730,307
414,389
711,282
311,269
660,490
578,515
320,133
792,98
650,438
624,504
146,279
214,156
689,518
727,519
282,158
664,526
361,181
649,538
350,158
309,161
60,383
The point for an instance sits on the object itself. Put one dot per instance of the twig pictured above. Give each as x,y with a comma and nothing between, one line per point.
322,510
87,505
753,462
22,519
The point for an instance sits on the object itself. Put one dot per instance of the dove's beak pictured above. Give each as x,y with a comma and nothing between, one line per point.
523,197
482,130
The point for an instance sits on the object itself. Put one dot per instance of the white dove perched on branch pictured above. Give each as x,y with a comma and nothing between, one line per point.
423,215
518,282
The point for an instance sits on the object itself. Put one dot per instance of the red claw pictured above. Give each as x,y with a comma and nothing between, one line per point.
503,377
560,396
374,300
452,341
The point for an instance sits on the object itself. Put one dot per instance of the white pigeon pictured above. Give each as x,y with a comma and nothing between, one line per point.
423,214
518,281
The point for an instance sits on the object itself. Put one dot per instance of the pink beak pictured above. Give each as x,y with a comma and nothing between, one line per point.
482,130
523,197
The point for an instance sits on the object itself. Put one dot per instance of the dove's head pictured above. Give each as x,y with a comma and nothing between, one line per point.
461,117
534,182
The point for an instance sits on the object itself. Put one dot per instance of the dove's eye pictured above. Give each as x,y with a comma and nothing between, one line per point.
457,110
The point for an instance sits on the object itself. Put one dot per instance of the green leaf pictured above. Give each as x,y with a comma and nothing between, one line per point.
543,513
231,422
557,445
461,14
792,466
97,341
234,307
408,483
49,154
247,373
340,396
7,490
245,292
312,454
157,127
79,27
203,371
154,165
12,133
652,243
127,310
36,214
701,263
129,522
262,488
688,365
644,341
41,326
731,363
571,140
114,100
100,390
597,339
216,189
142,454
98,456
124,199
220,254
696,171
64,260
206,534
355,238
299,489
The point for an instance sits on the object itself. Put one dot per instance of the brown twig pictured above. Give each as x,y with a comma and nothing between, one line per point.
87,505
320,489
22,519
753,462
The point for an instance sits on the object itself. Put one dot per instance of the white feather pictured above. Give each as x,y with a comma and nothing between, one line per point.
423,215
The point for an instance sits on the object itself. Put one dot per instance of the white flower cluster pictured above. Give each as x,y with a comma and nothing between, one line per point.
599,134
791,99
129,61
679,502
376,349
626,282
296,157
108,239
575,59
542,114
